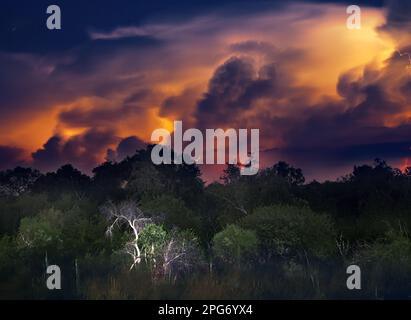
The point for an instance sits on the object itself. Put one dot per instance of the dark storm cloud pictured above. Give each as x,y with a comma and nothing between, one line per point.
42,69
30,84
387,151
232,90
67,54
355,128
11,157
129,146
235,85
25,83
180,106
350,154
81,150
350,146
398,20
252,46
238,86
406,90
50,156
399,13
126,147
97,116
115,114
340,131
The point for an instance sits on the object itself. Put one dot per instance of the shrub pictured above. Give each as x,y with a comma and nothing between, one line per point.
235,244
290,230
152,238
41,231
173,211
386,266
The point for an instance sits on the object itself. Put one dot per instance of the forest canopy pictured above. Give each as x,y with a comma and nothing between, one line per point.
135,230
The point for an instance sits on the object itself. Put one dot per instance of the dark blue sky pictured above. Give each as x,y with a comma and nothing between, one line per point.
22,23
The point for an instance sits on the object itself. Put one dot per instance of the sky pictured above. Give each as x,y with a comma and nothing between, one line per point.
324,97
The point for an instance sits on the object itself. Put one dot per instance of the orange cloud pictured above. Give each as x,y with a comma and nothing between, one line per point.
297,56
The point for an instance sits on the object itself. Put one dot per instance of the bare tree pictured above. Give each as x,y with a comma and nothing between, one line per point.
173,258
179,257
128,214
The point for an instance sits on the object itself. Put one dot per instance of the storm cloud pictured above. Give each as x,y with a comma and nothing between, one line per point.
319,94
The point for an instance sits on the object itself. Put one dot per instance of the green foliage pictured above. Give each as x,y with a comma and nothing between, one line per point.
234,244
66,179
82,233
145,182
267,232
13,210
173,211
290,230
292,175
42,231
231,174
8,252
387,264
152,238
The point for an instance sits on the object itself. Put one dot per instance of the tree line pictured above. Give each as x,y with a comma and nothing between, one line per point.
135,230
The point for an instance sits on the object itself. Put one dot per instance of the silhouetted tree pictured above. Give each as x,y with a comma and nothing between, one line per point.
67,179
17,181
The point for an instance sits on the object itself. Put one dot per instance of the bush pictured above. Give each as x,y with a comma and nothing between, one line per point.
41,231
290,231
152,238
12,210
173,211
386,266
235,244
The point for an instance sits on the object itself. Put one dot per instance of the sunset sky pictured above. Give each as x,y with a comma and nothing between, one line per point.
324,97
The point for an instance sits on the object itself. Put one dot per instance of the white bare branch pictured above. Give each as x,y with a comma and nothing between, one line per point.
129,214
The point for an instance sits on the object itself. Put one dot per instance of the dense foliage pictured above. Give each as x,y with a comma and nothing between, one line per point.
138,231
